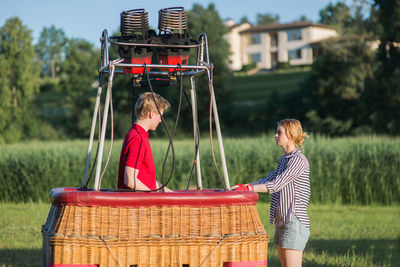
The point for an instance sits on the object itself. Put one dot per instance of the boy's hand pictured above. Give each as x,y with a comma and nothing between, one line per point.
166,189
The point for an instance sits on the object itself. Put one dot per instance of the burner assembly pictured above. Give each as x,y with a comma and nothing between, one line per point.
172,44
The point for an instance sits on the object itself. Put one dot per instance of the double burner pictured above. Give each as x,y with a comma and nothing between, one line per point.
172,26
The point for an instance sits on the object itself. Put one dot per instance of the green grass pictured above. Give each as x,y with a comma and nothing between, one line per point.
340,235
257,88
20,233
346,236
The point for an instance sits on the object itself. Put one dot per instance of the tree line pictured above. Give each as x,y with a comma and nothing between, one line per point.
47,90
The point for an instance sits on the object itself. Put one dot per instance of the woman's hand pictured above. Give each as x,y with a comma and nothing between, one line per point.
255,187
242,187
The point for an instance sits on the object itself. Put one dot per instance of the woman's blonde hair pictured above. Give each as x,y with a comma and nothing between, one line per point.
145,104
294,131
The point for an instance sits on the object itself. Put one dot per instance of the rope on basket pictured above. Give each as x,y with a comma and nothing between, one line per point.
178,259
209,255
115,258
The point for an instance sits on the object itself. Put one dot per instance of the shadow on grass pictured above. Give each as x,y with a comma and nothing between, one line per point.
272,262
381,250
20,257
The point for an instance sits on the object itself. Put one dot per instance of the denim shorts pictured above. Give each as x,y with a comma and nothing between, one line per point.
292,235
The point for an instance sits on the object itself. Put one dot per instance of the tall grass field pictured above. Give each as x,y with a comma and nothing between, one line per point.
360,170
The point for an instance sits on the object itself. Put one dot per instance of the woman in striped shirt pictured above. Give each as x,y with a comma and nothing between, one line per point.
289,185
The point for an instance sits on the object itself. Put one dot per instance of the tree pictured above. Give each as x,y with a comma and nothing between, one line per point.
384,91
303,18
244,19
19,75
50,48
265,19
335,93
79,75
337,15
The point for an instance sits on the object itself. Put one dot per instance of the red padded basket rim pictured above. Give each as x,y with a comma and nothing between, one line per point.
77,197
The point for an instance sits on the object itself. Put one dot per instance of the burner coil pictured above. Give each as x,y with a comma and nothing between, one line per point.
133,22
172,20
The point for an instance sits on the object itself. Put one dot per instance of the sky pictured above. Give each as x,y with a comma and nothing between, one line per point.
87,19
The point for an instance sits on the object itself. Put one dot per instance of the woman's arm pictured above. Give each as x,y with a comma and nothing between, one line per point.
295,166
259,187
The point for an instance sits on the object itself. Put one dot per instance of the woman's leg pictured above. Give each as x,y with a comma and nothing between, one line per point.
281,254
292,237
293,258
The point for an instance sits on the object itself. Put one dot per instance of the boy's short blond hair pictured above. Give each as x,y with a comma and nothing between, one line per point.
145,104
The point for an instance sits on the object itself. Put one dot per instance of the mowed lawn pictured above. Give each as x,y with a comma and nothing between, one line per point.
340,235
255,88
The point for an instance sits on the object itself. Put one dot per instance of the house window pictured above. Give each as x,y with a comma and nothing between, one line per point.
255,58
294,54
274,40
255,38
293,35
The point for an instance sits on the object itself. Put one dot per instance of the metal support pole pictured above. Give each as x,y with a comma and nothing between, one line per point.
204,48
219,135
97,182
196,132
94,120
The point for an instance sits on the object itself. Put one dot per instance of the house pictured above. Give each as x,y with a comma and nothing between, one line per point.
266,45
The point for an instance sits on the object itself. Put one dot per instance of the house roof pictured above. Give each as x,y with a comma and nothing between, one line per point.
286,26
237,25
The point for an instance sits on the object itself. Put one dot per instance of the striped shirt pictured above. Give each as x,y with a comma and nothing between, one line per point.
289,184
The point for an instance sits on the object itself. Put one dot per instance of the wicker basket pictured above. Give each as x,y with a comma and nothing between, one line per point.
197,228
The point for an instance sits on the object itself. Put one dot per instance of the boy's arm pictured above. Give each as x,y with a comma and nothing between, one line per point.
131,179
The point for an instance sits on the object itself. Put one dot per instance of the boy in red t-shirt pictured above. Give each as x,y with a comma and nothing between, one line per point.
136,164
